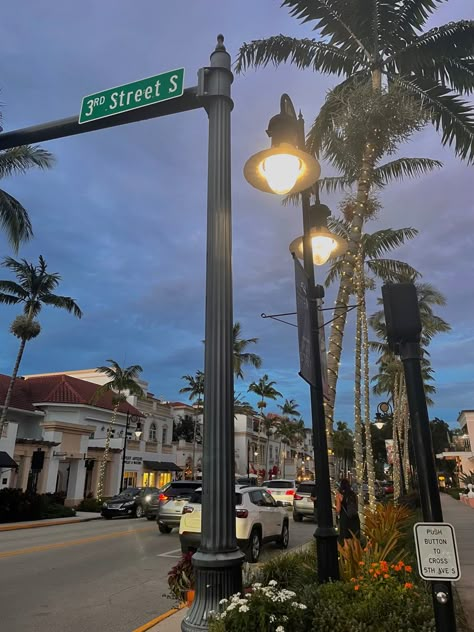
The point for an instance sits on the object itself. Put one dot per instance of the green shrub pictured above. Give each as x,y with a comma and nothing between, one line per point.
90,504
292,571
18,506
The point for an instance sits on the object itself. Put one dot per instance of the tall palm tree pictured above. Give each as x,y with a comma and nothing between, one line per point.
34,288
289,409
123,382
265,388
405,75
14,217
241,356
195,388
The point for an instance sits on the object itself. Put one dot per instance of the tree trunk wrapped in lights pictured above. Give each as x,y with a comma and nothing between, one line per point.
395,436
369,456
358,446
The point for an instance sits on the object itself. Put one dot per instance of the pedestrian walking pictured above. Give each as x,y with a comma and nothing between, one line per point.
347,511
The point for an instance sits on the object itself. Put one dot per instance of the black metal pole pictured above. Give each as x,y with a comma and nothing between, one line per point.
124,451
427,480
325,534
218,561
248,460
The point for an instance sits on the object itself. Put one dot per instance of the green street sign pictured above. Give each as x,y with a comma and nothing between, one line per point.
167,85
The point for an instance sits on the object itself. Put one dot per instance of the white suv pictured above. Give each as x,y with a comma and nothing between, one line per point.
258,519
281,489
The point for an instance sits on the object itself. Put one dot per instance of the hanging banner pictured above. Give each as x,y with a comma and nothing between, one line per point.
389,448
304,323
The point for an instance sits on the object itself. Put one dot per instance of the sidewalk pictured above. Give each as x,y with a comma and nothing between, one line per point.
81,516
462,518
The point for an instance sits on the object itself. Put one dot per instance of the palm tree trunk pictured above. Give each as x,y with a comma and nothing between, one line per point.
359,456
395,435
103,463
8,396
346,281
369,456
406,444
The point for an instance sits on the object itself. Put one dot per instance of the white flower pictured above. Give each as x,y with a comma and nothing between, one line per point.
231,606
223,601
280,628
244,609
272,618
273,582
301,606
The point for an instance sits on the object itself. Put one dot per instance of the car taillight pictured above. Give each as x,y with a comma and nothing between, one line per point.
162,498
188,509
298,497
241,513
269,491
289,492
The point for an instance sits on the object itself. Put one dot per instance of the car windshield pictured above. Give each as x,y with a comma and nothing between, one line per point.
305,488
196,498
279,484
130,492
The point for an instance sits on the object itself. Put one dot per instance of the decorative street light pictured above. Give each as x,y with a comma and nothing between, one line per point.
288,168
131,419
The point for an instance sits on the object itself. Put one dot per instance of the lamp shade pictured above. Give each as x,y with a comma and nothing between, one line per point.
325,245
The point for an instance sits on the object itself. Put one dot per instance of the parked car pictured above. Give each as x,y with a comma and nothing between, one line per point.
132,502
169,503
281,489
388,487
259,519
303,506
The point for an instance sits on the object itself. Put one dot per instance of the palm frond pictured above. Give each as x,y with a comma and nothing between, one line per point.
448,112
412,14
15,220
456,73
9,299
335,183
404,168
382,241
14,288
20,159
303,53
62,302
391,270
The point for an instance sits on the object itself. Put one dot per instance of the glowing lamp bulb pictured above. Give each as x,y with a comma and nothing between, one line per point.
322,249
281,172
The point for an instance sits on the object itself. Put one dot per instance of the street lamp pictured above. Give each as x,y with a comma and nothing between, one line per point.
131,419
288,138
385,411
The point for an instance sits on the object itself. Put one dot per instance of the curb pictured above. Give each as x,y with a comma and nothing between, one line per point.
41,524
162,617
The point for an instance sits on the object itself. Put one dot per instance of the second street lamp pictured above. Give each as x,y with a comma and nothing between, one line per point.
316,246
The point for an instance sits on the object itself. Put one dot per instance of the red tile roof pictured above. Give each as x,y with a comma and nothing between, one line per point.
21,397
58,389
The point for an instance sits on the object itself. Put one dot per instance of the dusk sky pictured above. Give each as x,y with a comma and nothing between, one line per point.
122,215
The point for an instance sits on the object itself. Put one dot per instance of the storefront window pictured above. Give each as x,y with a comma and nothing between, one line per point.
165,477
149,479
129,479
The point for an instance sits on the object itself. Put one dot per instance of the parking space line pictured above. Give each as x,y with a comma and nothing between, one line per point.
170,553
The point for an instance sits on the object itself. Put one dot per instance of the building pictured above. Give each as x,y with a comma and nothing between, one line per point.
460,449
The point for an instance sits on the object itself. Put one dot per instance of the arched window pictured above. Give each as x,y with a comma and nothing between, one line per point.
152,432
164,434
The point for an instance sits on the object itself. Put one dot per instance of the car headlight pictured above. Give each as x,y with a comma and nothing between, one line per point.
148,498
128,504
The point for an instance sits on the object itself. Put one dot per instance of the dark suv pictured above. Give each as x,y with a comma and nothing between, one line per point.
168,505
132,502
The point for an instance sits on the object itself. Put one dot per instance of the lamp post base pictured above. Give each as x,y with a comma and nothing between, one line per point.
218,575
326,554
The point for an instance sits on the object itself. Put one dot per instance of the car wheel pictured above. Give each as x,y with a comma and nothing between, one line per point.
139,511
254,546
284,538
297,517
164,528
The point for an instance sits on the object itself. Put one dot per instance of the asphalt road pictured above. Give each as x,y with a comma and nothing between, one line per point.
108,576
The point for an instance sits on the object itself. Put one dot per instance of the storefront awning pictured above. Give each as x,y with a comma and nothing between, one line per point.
6,461
161,466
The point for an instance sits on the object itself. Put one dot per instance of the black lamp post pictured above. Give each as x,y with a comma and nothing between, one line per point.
299,170
131,419
384,411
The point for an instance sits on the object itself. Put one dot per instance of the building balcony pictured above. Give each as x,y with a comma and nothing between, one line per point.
151,446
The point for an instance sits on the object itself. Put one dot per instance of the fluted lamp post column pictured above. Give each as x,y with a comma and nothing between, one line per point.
287,168
218,561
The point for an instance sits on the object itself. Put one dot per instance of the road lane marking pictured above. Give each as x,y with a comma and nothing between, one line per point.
60,545
169,553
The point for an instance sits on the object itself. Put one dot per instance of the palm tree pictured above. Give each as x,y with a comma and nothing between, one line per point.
123,382
241,357
34,288
395,78
289,409
195,388
343,442
14,217
265,388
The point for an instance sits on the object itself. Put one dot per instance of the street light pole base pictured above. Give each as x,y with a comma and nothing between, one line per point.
326,554
218,575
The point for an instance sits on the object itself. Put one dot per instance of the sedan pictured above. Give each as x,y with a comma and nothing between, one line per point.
130,502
